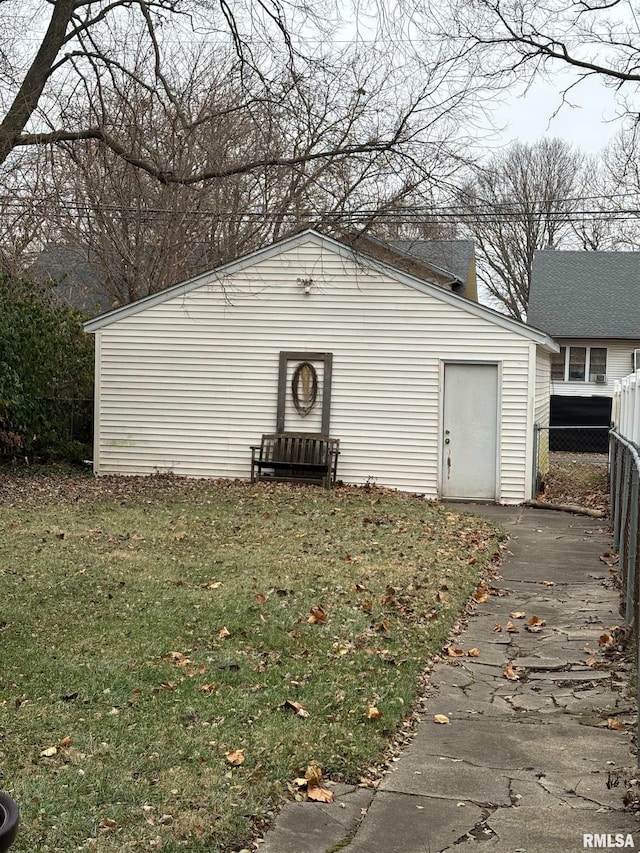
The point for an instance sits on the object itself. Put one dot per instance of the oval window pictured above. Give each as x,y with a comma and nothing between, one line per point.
304,387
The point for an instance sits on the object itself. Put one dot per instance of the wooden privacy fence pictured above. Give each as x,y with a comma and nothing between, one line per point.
624,461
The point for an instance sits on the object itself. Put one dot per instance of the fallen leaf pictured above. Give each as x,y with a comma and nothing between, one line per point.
548,583
208,688
535,624
177,658
442,719
605,639
212,585
590,661
260,598
49,752
616,725
320,795
340,649
313,774
474,653
223,633
297,707
390,595
317,616
497,628
107,823
455,653
480,595
383,625
511,628
373,713
66,741
510,673
235,757
518,614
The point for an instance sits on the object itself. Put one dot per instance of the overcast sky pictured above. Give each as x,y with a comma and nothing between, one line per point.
585,121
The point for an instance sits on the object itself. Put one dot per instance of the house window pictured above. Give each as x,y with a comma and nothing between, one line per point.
597,363
558,360
579,364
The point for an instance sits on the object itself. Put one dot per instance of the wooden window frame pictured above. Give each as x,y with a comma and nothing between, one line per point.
327,359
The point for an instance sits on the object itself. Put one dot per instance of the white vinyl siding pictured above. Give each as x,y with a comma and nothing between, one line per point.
543,384
619,364
542,414
188,384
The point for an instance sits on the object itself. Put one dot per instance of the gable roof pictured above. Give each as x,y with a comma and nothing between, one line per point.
333,245
452,256
585,294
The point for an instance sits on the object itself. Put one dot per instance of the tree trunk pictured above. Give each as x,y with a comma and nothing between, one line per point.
26,101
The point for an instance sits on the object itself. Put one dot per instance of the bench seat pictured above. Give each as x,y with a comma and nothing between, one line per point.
300,457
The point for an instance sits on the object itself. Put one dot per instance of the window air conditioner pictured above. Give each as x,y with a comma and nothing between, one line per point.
601,377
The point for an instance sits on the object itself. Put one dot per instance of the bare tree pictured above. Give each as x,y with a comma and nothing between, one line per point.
519,201
507,41
27,197
90,46
142,235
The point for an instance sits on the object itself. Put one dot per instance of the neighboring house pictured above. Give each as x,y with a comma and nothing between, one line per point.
589,302
74,280
455,258
426,390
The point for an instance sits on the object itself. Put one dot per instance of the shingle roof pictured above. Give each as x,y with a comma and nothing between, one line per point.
76,283
452,256
585,294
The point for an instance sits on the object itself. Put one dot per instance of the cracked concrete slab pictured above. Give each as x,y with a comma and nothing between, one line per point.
315,827
584,791
547,745
419,824
557,829
451,778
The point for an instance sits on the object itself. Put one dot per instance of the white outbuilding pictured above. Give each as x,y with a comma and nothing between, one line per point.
426,390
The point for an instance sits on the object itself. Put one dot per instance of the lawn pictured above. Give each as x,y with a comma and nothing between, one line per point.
154,630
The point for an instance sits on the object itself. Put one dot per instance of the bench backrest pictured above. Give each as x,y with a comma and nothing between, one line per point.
309,448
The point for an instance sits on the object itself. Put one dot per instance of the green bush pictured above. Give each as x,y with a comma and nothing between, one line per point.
46,362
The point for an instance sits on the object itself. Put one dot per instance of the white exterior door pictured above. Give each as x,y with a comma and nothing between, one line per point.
469,444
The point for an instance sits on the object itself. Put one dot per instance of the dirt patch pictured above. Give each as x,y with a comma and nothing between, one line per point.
580,478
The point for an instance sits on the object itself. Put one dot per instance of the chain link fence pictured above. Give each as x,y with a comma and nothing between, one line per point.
571,465
625,519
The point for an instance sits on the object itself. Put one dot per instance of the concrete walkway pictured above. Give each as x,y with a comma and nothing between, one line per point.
526,766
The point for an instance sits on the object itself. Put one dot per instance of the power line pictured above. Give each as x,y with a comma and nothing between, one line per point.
486,209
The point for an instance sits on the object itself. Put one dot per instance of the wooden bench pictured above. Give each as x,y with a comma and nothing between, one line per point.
301,457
